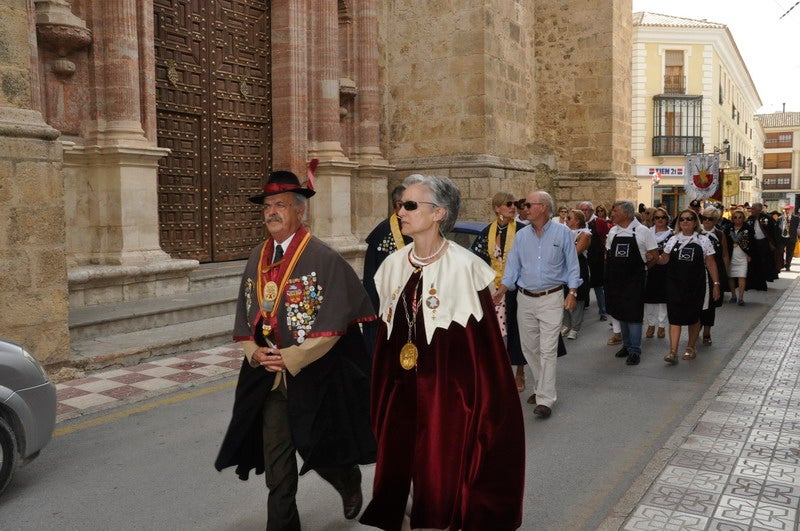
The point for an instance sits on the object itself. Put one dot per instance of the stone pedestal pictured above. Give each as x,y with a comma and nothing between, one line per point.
112,205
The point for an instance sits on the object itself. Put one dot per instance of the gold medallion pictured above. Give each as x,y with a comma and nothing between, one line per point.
408,356
266,330
270,291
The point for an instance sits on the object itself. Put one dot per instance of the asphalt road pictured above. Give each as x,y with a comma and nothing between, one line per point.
149,465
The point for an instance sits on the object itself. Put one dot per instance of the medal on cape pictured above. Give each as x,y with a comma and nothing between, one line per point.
408,356
266,329
270,295
432,301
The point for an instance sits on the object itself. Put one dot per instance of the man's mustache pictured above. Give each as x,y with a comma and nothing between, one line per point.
274,217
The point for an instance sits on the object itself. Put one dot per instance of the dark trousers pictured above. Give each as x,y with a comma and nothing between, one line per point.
280,466
788,245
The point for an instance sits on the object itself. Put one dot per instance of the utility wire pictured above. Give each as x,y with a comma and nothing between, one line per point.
787,12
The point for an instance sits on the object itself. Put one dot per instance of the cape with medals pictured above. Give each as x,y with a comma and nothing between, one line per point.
450,422
302,297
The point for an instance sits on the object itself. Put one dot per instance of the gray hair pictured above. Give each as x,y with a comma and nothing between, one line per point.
444,193
711,212
627,207
585,203
548,201
300,199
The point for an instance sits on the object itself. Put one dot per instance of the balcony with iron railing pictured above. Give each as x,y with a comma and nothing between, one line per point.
677,145
674,84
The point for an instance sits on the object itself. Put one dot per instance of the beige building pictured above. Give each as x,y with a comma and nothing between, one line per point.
132,132
692,93
781,159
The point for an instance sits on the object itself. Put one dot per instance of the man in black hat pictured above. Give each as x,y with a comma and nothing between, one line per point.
304,384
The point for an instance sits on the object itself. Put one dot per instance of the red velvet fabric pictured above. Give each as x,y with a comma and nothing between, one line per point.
453,426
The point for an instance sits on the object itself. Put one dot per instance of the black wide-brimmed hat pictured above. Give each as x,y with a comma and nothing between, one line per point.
280,182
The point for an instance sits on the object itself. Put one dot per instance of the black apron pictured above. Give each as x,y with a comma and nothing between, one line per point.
686,284
655,291
625,280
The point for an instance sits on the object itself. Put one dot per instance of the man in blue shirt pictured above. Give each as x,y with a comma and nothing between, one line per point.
541,263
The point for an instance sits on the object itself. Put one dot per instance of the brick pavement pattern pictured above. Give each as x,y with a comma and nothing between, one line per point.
108,388
740,466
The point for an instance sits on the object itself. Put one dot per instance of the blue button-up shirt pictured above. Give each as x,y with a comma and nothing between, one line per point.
539,263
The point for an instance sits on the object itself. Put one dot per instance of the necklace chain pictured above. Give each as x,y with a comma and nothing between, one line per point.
426,258
411,320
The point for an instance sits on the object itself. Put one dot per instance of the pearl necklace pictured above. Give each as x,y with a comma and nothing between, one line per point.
420,259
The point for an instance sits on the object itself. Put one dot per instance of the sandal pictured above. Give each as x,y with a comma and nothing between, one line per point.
706,340
671,358
689,354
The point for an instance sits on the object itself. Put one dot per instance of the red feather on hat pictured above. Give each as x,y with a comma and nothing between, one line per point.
312,166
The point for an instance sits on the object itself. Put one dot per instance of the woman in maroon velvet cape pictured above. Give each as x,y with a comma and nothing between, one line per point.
446,416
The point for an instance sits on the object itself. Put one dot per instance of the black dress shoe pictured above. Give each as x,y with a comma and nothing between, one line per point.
633,359
352,498
542,411
532,399
622,353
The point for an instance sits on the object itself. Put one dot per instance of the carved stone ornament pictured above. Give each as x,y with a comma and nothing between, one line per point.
61,32
172,73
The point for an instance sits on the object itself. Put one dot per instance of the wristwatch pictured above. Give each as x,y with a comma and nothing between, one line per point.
716,283
573,292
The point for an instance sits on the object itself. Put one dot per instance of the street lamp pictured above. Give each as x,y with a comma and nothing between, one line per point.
726,148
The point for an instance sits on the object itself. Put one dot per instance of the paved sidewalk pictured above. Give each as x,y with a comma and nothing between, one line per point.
111,388
737,466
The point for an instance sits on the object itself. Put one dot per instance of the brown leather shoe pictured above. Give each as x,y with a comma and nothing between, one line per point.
532,399
650,331
542,411
520,379
615,339
660,332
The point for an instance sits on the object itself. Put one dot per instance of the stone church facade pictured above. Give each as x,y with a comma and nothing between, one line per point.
132,131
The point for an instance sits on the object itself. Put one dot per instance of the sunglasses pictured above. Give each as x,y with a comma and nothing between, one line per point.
509,204
686,219
528,205
413,205
706,218
659,217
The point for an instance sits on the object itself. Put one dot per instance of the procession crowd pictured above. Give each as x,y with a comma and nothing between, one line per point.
412,370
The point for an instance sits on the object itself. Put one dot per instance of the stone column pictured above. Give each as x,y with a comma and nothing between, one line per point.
370,179
330,210
116,171
33,271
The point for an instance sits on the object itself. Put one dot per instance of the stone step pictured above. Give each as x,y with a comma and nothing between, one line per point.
131,348
122,317
217,275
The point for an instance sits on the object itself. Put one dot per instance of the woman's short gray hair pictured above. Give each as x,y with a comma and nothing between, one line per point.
711,212
444,193
627,207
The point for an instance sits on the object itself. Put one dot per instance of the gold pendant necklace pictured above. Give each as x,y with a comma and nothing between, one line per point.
409,354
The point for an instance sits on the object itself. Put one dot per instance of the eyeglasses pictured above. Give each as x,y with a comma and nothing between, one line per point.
528,205
707,218
686,219
562,211
598,210
659,217
510,204
413,205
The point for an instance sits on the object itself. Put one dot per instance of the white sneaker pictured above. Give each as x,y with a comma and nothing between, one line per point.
564,330
572,334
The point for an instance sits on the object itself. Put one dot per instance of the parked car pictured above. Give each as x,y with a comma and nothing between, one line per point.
27,409
465,232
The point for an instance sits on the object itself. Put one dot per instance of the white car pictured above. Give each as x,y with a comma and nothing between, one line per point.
27,409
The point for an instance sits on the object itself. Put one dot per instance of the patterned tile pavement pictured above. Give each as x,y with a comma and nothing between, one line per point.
739,468
110,388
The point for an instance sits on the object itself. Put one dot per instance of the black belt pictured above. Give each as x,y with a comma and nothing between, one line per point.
541,293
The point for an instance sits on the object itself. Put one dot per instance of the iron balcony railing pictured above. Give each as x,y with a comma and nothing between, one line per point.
677,145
